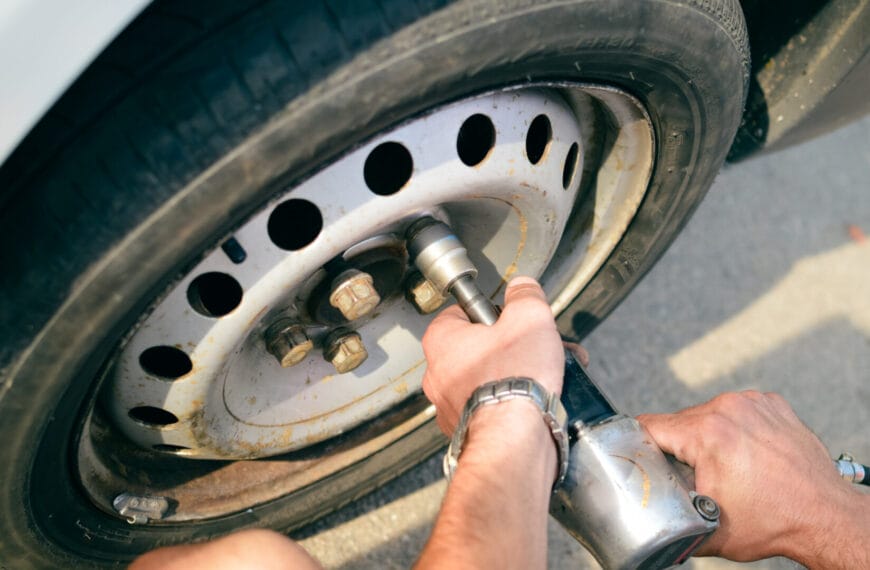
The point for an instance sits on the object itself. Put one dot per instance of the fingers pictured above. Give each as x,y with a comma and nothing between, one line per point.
462,355
446,415
578,351
519,288
671,432
753,455
444,425
780,404
445,324
526,306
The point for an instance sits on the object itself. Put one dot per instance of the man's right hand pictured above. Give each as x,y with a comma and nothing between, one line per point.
461,356
775,482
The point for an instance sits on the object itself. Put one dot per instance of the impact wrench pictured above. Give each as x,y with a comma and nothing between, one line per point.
622,498
628,503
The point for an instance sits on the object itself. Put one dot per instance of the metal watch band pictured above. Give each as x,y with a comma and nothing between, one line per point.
499,391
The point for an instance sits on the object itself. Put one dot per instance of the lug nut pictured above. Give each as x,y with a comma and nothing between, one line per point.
423,294
345,350
288,342
354,294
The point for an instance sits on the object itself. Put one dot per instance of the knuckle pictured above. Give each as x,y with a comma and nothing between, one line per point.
523,282
725,400
753,395
716,427
736,402
777,400
530,309
431,391
781,406
524,293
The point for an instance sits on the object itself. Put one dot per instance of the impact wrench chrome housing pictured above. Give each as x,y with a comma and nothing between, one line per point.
624,500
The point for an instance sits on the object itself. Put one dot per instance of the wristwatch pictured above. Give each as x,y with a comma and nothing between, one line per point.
492,393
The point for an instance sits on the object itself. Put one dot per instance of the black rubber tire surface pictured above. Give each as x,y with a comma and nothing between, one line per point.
202,111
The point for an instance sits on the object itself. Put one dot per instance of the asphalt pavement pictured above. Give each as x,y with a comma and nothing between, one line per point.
768,287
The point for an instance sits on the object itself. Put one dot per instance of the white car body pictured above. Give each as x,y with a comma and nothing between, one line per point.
44,47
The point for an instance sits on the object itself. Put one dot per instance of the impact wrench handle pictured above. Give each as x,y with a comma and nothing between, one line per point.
472,300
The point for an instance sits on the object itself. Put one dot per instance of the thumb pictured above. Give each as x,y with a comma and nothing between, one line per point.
523,288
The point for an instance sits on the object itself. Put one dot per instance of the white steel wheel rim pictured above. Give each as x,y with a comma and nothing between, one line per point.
236,402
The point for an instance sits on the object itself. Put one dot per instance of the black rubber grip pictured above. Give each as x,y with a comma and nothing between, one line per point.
581,397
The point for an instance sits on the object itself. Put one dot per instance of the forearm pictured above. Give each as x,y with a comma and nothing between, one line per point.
253,549
495,511
836,532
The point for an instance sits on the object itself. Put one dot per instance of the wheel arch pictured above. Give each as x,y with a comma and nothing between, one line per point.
78,35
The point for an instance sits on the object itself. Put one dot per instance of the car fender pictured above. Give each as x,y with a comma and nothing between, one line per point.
59,39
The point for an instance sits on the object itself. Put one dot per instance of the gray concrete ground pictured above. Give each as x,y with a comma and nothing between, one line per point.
768,287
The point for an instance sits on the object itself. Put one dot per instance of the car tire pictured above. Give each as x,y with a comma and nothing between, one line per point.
194,118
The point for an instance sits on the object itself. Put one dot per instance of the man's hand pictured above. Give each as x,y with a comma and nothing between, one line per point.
773,479
253,549
495,511
461,356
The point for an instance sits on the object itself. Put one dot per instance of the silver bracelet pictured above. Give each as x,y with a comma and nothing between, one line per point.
492,393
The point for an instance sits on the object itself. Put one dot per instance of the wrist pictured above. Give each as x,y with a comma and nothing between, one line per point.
512,436
501,488
499,394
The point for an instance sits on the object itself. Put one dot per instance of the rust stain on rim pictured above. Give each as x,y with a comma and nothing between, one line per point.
521,245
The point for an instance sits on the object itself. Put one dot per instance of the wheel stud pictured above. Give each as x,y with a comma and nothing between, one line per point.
423,294
288,342
345,350
354,294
